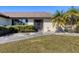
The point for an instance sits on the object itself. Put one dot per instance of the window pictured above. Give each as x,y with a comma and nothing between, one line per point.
26,20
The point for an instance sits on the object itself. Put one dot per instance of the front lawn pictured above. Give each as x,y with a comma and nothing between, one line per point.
52,43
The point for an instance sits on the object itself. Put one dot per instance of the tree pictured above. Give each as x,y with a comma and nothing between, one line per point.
72,17
58,20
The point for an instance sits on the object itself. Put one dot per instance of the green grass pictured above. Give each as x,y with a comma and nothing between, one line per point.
50,43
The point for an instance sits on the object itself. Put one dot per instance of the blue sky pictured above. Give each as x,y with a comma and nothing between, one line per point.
34,8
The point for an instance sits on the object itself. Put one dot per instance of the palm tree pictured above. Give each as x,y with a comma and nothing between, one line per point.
72,17
58,20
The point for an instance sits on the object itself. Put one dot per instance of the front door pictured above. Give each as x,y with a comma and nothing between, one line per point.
38,24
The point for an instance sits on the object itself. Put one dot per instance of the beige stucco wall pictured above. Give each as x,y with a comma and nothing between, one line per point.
5,21
47,25
30,21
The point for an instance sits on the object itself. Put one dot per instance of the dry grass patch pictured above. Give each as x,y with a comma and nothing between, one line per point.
51,43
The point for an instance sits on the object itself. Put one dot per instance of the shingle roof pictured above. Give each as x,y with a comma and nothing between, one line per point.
2,15
27,14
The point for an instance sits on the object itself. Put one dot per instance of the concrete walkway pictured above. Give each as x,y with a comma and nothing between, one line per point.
23,36
15,37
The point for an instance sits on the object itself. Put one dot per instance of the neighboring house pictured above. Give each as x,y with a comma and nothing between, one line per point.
41,20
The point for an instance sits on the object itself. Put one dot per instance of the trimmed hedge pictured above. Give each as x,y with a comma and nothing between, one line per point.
13,29
25,28
22,28
16,28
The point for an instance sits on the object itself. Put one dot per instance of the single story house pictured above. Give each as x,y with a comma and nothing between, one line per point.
41,20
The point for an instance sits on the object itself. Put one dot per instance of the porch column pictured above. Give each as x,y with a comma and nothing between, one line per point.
13,21
47,25
30,21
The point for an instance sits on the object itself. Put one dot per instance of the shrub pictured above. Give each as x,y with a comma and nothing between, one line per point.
21,28
16,28
65,30
13,29
26,28
3,30
77,29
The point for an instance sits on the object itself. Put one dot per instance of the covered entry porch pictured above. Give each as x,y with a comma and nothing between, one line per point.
43,25
38,24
